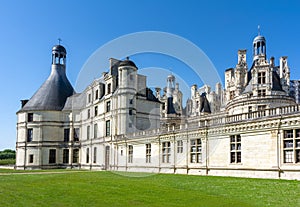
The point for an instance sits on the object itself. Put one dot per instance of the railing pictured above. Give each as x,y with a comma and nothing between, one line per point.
221,118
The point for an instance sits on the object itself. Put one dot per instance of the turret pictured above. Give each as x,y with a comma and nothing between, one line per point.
259,47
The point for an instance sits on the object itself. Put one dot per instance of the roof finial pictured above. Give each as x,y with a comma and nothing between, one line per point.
59,40
127,58
258,28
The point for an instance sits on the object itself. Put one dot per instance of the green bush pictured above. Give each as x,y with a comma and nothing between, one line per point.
7,154
8,162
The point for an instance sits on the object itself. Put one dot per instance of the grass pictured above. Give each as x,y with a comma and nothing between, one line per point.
111,189
8,162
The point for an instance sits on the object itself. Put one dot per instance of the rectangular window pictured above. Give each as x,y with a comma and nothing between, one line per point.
30,117
288,134
88,132
148,153
96,110
107,127
29,135
89,98
88,113
291,146
76,134
196,151
130,101
108,106
130,112
261,110
96,94
87,155
31,158
130,154
235,149
166,152
75,155
231,94
179,146
298,156
66,134
249,112
95,130
52,156
66,156
109,88
95,155
261,78
261,92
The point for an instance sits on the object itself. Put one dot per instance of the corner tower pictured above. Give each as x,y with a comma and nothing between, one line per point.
40,126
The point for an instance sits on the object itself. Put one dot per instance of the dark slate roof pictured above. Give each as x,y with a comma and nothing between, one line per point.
53,94
204,104
59,48
276,82
170,106
259,38
127,63
150,96
75,102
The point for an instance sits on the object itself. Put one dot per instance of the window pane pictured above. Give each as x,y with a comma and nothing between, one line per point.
288,156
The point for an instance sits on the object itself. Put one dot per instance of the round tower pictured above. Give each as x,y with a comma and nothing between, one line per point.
128,85
41,116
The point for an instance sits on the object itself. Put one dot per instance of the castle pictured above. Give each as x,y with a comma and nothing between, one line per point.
251,128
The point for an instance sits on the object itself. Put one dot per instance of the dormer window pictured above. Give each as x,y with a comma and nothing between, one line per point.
109,88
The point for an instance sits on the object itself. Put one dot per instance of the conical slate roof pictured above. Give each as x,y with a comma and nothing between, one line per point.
54,92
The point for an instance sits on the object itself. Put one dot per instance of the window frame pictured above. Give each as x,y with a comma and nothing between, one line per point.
52,156
195,151
235,149
66,134
166,152
179,146
148,153
76,134
30,158
66,156
108,106
107,128
130,154
30,117
29,136
291,146
261,78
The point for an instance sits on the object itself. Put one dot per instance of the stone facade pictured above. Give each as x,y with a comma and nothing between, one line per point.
251,128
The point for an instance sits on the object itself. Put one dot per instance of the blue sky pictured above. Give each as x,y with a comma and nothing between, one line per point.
29,29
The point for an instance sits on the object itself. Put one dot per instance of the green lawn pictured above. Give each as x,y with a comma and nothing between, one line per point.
110,189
